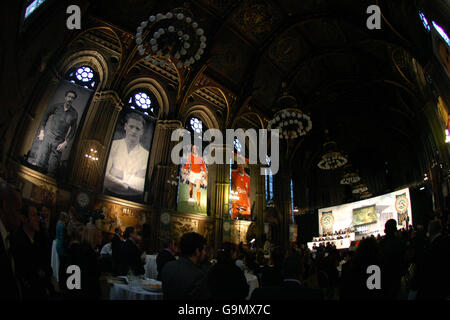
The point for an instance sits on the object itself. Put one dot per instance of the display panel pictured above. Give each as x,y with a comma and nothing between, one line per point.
193,187
366,217
58,127
126,168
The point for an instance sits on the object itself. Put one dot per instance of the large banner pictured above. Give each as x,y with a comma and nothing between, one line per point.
193,192
367,217
240,191
128,156
58,127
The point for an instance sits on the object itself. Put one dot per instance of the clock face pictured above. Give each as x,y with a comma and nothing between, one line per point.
165,218
327,221
83,199
401,204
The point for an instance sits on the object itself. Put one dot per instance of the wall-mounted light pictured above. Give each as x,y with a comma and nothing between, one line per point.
422,188
447,136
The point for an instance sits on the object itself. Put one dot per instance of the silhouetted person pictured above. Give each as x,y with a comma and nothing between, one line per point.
433,270
32,265
166,255
115,247
10,205
130,255
184,279
226,281
393,250
292,288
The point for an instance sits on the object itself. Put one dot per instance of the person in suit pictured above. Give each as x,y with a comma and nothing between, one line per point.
32,264
184,279
291,288
272,273
10,205
166,255
130,255
115,247
226,281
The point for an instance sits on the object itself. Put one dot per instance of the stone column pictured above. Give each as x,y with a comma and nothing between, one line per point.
161,195
283,201
258,181
218,194
97,133
161,164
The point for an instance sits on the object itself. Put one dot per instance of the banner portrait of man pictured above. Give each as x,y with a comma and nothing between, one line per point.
58,127
126,168
240,191
193,192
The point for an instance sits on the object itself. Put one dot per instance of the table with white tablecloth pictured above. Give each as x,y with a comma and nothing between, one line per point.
151,269
252,282
119,291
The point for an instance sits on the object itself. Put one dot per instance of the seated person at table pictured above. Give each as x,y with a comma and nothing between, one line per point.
184,279
226,281
291,288
166,255
130,255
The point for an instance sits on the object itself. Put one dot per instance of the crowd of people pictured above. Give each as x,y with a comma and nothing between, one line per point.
414,264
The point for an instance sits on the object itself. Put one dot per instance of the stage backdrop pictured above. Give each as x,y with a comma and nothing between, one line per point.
240,191
368,216
193,186
40,155
126,169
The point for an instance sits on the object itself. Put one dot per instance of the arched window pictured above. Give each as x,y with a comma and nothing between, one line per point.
424,21
32,6
268,181
237,145
144,101
441,32
292,199
83,76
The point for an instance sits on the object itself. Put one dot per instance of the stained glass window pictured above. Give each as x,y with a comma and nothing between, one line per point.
442,32
424,21
268,181
83,76
144,101
33,5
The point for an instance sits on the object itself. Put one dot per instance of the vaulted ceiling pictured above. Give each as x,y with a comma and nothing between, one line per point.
354,82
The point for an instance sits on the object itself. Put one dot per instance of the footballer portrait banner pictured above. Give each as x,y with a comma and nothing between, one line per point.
240,190
193,186
58,128
126,167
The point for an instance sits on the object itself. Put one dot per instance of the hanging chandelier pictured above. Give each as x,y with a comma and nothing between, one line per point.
173,36
290,120
359,189
350,178
365,195
332,159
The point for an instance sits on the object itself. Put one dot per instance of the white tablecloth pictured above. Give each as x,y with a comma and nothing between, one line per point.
252,282
151,270
125,292
55,261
